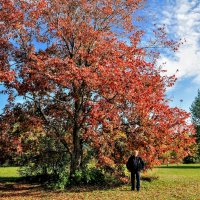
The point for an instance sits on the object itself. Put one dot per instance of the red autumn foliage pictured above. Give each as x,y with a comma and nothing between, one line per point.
85,87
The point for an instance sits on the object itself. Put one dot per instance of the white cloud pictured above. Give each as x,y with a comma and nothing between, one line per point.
183,20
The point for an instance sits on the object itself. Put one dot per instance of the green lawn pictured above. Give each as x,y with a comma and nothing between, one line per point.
180,182
9,174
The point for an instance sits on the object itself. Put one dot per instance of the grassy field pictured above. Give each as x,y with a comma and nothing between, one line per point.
180,182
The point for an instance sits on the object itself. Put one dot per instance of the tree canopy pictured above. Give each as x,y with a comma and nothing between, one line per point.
82,86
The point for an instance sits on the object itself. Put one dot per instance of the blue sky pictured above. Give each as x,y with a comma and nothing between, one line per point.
182,20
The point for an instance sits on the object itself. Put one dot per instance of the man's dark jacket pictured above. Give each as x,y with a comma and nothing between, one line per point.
135,164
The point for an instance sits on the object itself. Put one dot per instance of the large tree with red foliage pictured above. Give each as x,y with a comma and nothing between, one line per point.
83,86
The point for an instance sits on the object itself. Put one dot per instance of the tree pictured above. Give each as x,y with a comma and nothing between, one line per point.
195,112
8,22
85,88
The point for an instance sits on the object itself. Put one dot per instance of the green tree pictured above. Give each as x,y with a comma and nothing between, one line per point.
195,111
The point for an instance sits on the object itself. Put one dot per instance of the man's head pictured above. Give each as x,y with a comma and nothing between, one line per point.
135,152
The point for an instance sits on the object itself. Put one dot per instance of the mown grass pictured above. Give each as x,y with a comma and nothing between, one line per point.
9,174
175,182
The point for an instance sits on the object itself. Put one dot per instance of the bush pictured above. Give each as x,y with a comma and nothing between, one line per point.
190,160
95,176
90,176
62,181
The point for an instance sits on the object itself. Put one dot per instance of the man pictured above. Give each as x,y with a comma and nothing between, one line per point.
135,164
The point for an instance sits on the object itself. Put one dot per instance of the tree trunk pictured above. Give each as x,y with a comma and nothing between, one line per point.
76,154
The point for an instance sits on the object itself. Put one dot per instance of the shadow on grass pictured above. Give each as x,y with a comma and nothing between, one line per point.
104,187
10,179
20,190
11,187
91,188
149,178
23,194
6,187
179,167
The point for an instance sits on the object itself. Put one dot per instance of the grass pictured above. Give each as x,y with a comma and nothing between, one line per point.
9,174
175,182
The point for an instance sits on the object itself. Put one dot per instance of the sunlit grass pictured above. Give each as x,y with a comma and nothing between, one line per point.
9,172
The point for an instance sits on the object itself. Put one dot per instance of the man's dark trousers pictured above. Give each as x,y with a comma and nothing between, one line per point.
135,175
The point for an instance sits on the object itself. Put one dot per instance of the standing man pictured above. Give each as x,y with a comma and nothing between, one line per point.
135,164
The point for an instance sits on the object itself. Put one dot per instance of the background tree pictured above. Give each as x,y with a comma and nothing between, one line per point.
195,111
84,87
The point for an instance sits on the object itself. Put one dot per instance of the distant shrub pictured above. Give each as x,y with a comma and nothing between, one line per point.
190,160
